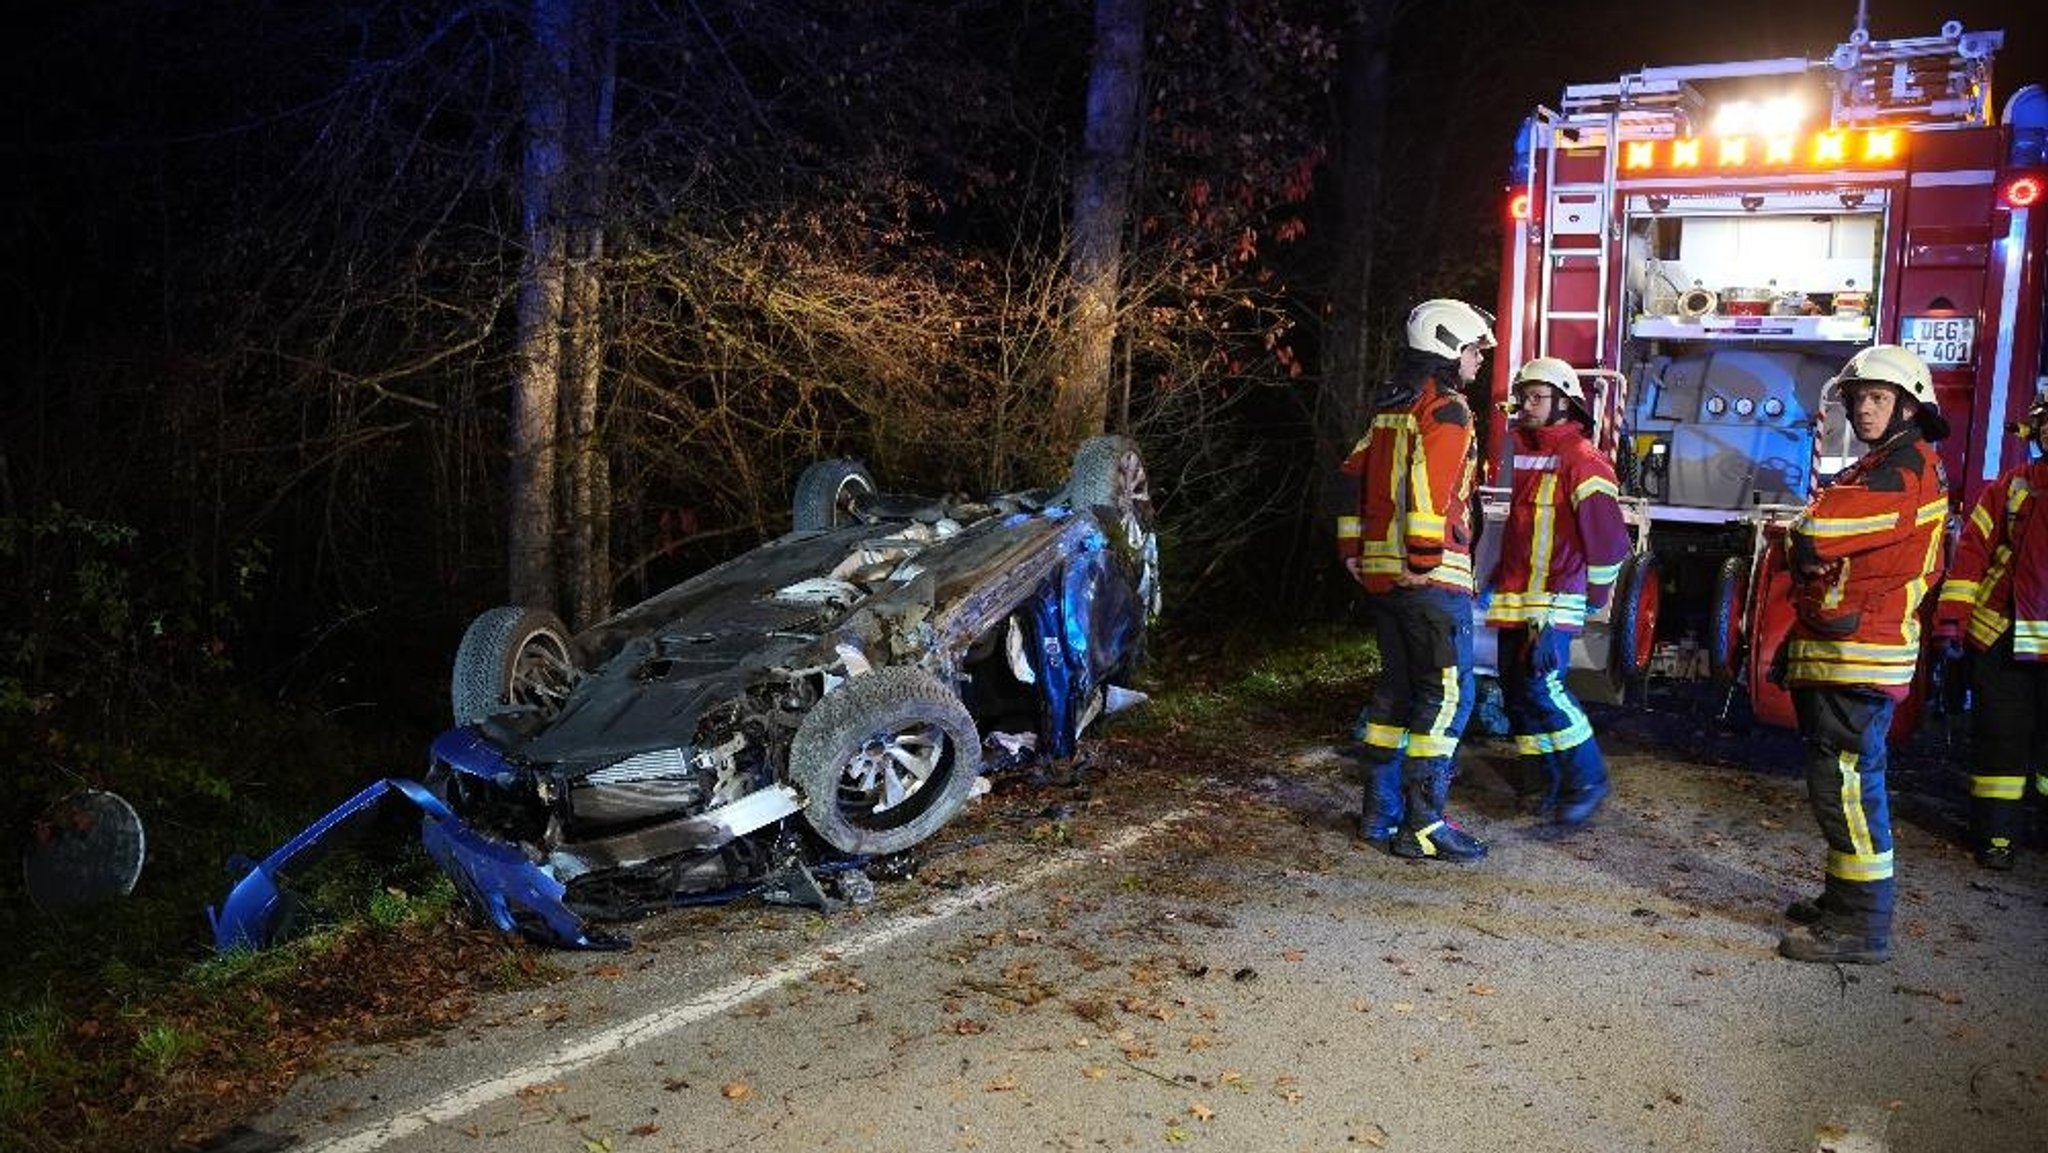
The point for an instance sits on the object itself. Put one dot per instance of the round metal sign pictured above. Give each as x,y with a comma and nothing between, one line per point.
83,849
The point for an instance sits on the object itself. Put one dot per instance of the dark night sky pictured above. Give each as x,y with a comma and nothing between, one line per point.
1586,41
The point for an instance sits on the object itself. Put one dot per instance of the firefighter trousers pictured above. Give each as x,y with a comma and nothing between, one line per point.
1845,729
2009,728
1553,737
1419,706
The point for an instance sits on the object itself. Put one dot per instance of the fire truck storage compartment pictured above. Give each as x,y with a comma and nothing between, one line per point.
1727,427
1742,307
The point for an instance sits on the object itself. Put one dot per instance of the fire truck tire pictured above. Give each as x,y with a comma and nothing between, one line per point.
1638,594
1731,623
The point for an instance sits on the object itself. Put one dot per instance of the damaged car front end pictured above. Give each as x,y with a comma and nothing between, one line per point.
770,725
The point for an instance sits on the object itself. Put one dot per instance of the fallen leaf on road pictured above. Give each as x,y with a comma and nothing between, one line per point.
734,1090
675,1084
969,1027
1200,1112
1094,1072
1482,989
1002,1084
1291,955
1374,1136
543,1089
1362,1005
648,1130
608,971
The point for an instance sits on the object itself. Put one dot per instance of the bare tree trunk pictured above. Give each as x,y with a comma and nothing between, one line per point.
589,488
1362,78
1102,195
530,499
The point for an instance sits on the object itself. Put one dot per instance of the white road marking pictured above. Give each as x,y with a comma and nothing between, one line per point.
661,1022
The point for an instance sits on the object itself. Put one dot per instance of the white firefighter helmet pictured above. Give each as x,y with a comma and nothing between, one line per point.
1445,327
1554,372
1901,368
1558,374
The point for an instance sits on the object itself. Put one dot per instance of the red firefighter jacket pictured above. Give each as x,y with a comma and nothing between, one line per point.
1414,467
1565,539
1862,556
1999,580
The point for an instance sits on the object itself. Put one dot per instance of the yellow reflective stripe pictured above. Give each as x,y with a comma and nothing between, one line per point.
1391,737
1998,788
1427,525
1853,651
1930,513
1516,608
1422,837
1591,485
1350,528
1957,591
1852,802
1563,740
1862,868
1543,533
2029,638
1980,519
1436,740
1813,673
1603,574
1848,525
1987,625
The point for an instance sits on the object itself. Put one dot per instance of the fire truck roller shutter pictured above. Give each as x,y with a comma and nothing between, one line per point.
1748,434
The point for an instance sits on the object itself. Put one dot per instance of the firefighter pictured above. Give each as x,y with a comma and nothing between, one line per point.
1563,544
1411,547
1862,556
1995,602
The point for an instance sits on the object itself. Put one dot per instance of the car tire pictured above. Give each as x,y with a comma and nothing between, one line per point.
1731,601
1638,595
1109,473
830,494
850,751
512,658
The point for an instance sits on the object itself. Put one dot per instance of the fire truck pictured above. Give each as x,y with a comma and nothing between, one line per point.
1708,244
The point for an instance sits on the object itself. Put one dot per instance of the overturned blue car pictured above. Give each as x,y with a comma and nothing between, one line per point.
768,726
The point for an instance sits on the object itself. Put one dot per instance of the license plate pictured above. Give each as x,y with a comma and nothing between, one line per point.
1941,341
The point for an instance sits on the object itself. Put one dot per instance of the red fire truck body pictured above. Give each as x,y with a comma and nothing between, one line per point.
1708,279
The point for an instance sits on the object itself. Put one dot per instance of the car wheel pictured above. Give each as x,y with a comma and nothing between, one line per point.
1109,473
831,494
884,761
1638,595
512,658
1731,602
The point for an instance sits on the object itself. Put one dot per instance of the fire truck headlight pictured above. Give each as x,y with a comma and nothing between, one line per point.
1778,116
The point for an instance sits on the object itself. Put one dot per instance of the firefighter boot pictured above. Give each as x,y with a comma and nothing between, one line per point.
1996,853
1830,940
1850,924
1807,910
1424,833
1380,815
1584,783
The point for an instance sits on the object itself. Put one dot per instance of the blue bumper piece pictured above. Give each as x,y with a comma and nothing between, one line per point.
498,880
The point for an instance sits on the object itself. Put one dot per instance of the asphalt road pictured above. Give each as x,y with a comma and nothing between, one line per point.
1200,955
